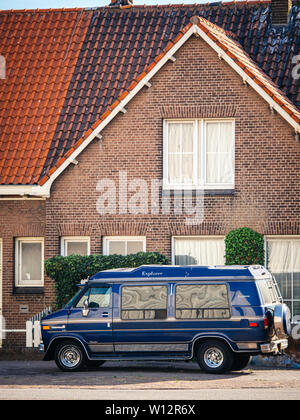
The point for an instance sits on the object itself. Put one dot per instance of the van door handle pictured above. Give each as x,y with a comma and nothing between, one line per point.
105,314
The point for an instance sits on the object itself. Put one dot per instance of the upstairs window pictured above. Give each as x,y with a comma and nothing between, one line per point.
198,154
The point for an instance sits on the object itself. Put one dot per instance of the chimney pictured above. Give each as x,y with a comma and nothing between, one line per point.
121,3
280,10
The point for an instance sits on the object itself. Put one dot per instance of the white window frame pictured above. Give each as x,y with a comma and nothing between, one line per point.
126,239
199,134
65,239
200,237
18,262
283,238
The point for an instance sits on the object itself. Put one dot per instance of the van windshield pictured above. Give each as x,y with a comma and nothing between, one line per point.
74,298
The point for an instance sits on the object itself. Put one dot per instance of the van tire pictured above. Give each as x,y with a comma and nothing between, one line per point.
69,356
240,361
215,357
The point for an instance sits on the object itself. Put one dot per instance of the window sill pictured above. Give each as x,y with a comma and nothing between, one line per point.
19,290
193,192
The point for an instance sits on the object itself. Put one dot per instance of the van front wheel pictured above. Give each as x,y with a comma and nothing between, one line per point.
69,356
214,357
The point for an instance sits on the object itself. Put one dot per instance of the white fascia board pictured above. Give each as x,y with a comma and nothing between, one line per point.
24,190
248,79
120,108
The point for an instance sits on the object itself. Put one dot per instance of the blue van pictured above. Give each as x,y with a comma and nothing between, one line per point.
217,315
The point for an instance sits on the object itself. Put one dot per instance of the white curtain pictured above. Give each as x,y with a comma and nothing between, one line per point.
219,153
200,251
31,261
284,263
180,153
77,248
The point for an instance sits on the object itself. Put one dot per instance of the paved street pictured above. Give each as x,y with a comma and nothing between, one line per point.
137,381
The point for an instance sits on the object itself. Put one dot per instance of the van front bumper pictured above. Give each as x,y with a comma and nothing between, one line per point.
274,347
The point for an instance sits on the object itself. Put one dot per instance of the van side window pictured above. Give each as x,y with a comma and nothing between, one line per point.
98,297
207,301
144,302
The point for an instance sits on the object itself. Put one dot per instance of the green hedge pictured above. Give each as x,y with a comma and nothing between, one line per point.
67,272
244,246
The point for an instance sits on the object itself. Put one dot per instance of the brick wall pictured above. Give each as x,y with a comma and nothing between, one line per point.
18,218
196,85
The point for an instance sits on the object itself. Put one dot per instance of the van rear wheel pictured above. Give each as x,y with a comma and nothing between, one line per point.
214,357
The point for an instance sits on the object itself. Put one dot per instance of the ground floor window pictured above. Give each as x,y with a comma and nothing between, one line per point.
283,261
78,245
123,245
199,250
29,269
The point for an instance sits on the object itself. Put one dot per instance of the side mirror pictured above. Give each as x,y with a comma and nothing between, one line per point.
85,310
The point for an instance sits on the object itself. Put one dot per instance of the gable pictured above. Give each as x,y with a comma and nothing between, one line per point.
89,104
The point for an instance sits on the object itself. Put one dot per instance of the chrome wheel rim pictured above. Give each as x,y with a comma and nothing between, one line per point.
213,357
70,356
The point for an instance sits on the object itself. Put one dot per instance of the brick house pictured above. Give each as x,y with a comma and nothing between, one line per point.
161,128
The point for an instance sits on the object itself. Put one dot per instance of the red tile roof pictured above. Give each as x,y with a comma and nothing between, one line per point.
68,69
41,50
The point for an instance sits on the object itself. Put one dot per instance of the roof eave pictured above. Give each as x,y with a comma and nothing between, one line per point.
25,190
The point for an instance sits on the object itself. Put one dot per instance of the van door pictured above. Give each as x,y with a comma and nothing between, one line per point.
94,324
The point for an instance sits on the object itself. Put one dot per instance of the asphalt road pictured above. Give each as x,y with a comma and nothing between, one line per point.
32,380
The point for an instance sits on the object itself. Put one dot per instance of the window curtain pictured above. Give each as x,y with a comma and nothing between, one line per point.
31,257
199,251
77,248
219,156
180,156
284,263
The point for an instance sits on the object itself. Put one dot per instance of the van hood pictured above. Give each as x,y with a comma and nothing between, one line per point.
60,315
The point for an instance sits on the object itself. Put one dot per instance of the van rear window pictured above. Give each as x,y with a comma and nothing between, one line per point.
267,291
144,302
207,301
